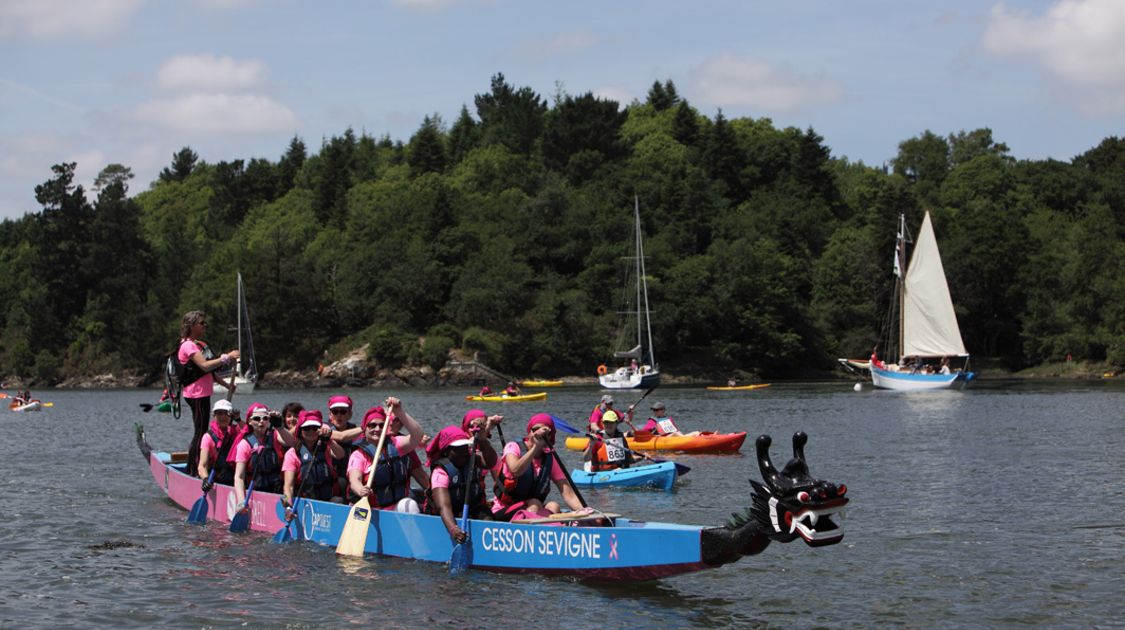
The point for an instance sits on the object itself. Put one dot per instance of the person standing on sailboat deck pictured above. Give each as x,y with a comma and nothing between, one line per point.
199,361
596,415
945,365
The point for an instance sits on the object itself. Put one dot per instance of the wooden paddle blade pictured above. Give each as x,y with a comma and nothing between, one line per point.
354,537
198,513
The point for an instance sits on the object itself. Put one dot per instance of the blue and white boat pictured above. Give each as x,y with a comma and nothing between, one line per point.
789,505
661,475
931,352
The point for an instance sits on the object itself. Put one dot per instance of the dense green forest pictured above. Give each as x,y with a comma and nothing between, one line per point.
505,232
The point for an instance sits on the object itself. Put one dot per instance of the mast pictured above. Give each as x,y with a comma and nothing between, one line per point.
901,284
642,286
238,305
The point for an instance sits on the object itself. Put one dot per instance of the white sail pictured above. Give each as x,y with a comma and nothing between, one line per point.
929,323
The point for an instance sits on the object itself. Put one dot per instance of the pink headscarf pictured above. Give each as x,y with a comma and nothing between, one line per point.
444,439
374,413
545,419
471,415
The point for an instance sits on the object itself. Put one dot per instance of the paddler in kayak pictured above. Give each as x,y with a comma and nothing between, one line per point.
215,447
391,487
449,456
610,450
511,390
661,425
604,405
309,459
527,469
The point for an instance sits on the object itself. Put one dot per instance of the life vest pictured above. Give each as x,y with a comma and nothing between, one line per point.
610,454
528,485
265,465
392,474
318,471
224,470
188,373
457,488
341,463
665,426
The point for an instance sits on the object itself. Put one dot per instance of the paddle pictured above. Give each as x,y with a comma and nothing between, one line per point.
462,556
198,513
566,473
241,520
285,534
354,537
634,406
146,407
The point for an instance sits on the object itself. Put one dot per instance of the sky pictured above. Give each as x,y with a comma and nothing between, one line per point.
131,82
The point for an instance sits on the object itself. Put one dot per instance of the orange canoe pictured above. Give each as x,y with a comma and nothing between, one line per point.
705,442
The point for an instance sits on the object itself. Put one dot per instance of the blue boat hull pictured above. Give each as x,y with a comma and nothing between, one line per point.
907,381
662,476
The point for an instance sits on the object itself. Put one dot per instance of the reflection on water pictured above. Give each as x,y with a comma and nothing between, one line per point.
993,505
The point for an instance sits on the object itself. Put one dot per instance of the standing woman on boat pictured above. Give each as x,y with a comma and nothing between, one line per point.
527,469
199,361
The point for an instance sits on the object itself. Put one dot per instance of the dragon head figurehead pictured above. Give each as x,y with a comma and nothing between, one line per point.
787,504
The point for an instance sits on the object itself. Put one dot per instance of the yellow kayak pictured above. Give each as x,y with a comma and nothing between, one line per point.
737,388
520,398
541,383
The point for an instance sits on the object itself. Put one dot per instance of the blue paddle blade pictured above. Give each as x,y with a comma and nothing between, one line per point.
461,559
562,424
286,533
682,470
198,513
240,522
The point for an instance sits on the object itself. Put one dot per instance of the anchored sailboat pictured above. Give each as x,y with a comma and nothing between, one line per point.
246,368
642,370
927,325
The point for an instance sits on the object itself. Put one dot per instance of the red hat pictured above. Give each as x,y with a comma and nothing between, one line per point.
471,415
310,418
374,413
258,409
337,402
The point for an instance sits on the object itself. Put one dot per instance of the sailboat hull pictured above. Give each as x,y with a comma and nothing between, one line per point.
905,381
623,378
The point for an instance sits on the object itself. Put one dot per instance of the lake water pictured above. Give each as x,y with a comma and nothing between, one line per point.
998,505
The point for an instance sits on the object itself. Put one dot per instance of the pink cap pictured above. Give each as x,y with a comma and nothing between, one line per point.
310,418
339,401
374,413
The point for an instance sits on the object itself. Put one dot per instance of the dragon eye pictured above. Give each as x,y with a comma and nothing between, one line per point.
803,497
842,490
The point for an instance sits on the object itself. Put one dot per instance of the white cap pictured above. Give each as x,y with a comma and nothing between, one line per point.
222,405
311,422
461,442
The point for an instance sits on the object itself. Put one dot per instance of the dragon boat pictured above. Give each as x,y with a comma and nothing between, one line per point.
788,505
502,398
705,442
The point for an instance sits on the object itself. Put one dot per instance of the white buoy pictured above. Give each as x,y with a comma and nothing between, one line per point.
858,387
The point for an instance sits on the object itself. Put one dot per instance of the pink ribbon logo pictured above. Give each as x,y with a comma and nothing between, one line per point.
613,546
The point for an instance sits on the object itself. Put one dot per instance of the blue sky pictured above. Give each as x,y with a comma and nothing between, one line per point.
133,81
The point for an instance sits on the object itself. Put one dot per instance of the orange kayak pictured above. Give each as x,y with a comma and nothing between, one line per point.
705,442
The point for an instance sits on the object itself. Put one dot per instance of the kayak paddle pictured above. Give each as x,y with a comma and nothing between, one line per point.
462,556
198,513
354,537
285,534
146,407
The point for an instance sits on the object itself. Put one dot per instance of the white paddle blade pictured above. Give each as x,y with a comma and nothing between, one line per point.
354,537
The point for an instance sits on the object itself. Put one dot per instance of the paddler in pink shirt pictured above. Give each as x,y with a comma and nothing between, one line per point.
660,424
527,470
310,460
216,445
258,455
449,457
391,487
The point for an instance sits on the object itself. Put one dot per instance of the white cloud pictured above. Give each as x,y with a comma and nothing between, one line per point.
728,80
426,5
218,113
48,19
1079,43
208,72
613,93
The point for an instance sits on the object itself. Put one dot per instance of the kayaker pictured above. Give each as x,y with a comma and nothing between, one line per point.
605,404
258,455
485,391
511,389
340,415
449,456
732,382
610,450
527,470
391,487
216,445
306,460
198,362
660,424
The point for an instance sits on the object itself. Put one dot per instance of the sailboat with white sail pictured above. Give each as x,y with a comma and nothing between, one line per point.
642,371
929,337
246,368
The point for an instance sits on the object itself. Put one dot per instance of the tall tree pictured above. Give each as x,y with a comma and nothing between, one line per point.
510,117
183,163
426,152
